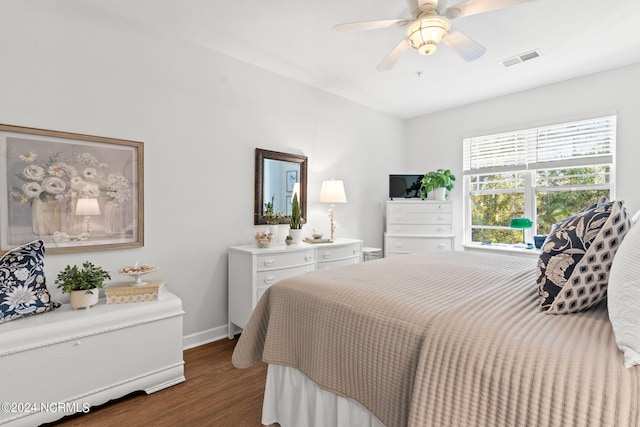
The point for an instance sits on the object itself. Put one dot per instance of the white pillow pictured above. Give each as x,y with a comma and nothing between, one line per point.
624,297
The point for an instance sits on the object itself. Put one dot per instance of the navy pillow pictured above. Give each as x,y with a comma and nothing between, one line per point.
574,264
23,288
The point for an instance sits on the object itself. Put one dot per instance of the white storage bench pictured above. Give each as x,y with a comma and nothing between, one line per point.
61,362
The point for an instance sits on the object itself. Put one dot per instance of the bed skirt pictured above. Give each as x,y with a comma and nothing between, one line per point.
293,400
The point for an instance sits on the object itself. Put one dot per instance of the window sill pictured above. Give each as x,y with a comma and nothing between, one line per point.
502,248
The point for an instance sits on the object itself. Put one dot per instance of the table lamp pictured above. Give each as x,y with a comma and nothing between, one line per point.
521,223
87,207
332,192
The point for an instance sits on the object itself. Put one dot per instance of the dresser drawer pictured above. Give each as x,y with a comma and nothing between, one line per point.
434,229
419,208
400,245
419,218
269,277
338,253
284,260
338,263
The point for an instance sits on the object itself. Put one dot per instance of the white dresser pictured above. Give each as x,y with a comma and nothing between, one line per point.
417,225
61,362
252,270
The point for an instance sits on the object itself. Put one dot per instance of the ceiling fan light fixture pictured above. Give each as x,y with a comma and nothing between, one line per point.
424,34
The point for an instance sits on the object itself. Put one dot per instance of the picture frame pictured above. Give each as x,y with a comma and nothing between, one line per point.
75,192
291,178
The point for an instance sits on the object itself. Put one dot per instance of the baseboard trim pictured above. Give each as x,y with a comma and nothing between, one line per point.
204,337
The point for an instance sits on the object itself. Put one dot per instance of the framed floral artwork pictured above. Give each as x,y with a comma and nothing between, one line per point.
75,192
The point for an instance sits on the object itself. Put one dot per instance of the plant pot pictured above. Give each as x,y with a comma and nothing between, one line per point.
439,193
83,299
296,234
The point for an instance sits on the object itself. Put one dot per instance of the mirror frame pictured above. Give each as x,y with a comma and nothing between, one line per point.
261,156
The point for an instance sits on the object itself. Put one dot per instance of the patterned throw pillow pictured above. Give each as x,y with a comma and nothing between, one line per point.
573,269
23,289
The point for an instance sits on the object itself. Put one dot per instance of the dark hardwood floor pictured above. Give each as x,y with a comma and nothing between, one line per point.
214,394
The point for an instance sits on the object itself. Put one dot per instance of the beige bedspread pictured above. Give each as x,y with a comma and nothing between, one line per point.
445,339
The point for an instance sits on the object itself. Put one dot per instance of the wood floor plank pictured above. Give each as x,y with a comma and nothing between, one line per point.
214,394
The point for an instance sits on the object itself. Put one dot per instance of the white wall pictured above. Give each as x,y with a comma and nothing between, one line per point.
66,66
436,139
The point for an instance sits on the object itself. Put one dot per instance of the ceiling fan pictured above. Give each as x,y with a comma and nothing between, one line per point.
429,25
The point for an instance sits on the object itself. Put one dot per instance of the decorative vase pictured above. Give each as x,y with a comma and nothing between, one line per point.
84,299
46,216
73,223
296,234
113,218
439,193
273,230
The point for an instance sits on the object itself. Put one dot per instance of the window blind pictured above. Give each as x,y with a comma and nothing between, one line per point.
584,142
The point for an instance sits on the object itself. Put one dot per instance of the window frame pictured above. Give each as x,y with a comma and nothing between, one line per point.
530,169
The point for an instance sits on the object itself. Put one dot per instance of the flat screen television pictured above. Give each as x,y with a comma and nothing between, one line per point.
404,186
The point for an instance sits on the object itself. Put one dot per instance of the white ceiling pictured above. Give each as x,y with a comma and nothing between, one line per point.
294,38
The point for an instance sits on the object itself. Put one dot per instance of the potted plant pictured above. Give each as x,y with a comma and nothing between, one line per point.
295,221
439,181
288,240
82,284
270,214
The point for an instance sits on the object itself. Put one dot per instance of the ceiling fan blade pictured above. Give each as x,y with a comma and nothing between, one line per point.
467,48
473,7
371,25
390,60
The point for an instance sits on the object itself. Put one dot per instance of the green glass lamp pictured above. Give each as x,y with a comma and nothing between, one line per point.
523,224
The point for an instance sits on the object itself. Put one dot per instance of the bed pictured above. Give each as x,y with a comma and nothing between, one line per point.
435,339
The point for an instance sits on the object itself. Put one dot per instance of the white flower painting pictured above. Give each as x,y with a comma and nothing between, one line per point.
49,172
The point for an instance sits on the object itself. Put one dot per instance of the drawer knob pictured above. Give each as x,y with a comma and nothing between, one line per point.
441,218
441,246
268,262
77,343
308,257
268,280
441,229
441,207
326,255
397,245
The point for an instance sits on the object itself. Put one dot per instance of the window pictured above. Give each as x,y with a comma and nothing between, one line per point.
545,174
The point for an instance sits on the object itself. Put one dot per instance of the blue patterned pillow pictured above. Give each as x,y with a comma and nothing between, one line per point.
574,264
23,288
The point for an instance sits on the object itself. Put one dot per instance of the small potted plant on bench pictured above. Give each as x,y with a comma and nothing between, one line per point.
82,285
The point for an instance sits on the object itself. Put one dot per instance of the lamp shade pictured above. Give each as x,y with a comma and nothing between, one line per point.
332,192
87,207
521,223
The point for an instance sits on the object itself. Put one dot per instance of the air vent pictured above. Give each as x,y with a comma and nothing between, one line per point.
521,58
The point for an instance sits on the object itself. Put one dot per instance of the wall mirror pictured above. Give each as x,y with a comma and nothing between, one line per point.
278,176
